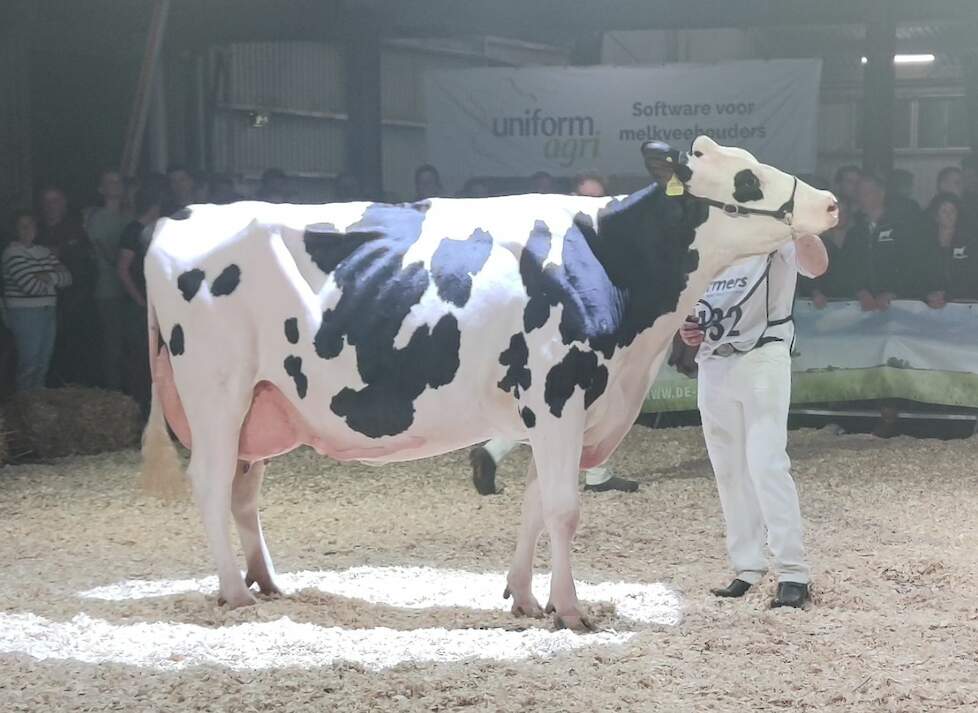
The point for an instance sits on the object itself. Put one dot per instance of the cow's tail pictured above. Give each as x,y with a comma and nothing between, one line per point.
162,473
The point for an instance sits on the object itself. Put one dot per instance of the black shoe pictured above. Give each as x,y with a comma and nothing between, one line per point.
483,471
613,483
791,594
734,590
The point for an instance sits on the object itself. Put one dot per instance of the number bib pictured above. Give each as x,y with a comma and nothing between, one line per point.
748,304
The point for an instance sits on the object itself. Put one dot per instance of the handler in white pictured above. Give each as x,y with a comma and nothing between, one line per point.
743,327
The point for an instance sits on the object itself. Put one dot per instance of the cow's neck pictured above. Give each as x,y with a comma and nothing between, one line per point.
714,246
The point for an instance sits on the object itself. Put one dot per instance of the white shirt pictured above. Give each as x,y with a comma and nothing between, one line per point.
749,304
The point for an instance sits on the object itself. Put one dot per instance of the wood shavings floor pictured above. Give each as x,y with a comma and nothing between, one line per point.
400,561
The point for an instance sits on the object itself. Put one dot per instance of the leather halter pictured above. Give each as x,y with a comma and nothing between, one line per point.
785,213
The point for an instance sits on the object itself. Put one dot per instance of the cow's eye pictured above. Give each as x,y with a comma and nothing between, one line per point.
698,154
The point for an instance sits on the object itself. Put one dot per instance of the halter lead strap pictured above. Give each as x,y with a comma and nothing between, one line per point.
785,213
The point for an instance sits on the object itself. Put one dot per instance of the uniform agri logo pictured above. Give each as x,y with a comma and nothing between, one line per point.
568,138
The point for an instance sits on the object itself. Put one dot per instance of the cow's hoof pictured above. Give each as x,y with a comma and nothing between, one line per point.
575,622
235,601
265,585
483,471
524,605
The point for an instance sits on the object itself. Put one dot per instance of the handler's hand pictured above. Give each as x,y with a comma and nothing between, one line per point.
690,333
883,299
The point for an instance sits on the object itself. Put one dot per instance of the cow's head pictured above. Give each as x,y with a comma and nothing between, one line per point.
763,207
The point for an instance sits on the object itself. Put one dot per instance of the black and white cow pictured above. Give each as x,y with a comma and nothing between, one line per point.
385,333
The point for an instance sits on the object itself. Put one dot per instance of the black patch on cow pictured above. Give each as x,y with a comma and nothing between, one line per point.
747,187
227,281
377,292
385,407
180,214
576,369
529,418
643,245
189,283
592,306
176,340
515,357
292,330
293,367
456,262
328,247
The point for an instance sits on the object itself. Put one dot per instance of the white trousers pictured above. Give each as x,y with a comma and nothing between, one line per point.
499,448
743,401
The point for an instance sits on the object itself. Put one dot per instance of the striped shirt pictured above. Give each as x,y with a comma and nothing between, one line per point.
22,268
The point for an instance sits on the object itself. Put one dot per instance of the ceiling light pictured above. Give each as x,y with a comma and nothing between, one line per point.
910,59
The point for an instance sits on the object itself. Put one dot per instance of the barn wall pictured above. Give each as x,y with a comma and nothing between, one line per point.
283,105
15,114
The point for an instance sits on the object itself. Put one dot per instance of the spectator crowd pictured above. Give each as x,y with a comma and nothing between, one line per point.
888,247
75,296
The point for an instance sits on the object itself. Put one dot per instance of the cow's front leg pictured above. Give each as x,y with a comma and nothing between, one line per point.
519,581
244,506
557,452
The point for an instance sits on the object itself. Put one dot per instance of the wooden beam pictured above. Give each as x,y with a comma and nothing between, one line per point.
144,89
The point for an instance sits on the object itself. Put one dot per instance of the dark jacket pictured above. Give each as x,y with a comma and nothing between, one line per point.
885,256
841,278
952,269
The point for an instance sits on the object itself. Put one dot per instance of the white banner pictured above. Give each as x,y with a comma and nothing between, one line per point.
565,120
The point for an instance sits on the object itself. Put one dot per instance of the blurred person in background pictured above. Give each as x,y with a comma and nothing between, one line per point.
274,186
884,247
950,180
78,346
181,189
31,276
475,188
589,184
104,225
542,182
427,182
132,252
840,279
845,185
949,265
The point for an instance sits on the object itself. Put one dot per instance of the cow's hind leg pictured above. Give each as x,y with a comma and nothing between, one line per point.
557,452
244,507
213,464
520,579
